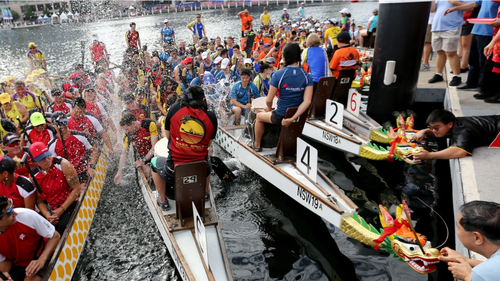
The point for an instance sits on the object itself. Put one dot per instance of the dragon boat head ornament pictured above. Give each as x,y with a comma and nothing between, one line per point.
396,238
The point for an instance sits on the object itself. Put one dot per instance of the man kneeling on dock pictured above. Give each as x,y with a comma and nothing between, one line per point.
466,133
24,253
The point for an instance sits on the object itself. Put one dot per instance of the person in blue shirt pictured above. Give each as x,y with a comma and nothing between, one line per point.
316,59
216,69
165,54
226,74
242,94
294,87
167,33
197,28
478,228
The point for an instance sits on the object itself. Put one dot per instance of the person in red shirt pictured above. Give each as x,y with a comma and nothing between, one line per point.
132,38
98,50
246,21
59,182
18,188
26,242
96,108
59,104
39,130
132,106
144,135
78,148
12,143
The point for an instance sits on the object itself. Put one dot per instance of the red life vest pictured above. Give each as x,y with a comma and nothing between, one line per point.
53,184
63,107
133,38
98,51
143,137
138,113
190,132
22,171
21,244
94,109
74,124
12,192
45,136
77,152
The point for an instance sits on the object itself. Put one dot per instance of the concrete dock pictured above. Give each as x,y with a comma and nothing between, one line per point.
474,177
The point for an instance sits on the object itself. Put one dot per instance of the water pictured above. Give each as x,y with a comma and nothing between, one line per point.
268,235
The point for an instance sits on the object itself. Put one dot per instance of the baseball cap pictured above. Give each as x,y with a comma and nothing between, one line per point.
5,98
294,25
7,164
344,35
66,86
267,45
31,44
208,78
204,55
29,79
55,92
166,20
10,138
224,64
39,151
248,61
217,60
95,38
58,117
270,60
344,11
37,119
284,9
187,60
375,10
333,20
128,98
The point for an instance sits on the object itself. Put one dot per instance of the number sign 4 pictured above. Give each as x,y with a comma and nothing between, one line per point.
307,159
353,102
334,114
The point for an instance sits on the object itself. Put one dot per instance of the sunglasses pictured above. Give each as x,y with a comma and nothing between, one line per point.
10,210
248,64
14,144
64,123
32,47
198,17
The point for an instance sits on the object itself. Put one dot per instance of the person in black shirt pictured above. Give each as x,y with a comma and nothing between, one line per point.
465,133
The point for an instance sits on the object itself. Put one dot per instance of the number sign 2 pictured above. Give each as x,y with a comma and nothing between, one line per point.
353,102
307,159
334,114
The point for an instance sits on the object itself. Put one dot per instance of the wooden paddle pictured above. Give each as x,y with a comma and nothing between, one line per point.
222,171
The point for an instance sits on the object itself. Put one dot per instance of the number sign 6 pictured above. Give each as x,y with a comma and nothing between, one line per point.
334,114
353,102
307,159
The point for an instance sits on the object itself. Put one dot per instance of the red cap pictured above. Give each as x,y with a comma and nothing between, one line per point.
187,60
39,151
74,75
66,86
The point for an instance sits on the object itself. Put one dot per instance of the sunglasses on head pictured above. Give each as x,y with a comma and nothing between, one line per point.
14,144
10,210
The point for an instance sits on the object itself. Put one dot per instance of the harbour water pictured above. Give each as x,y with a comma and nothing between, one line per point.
268,235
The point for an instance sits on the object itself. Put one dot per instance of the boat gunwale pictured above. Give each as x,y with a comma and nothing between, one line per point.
353,140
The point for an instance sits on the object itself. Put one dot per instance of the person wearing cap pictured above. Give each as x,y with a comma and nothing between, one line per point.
29,257
13,110
315,59
59,104
229,76
207,64
301,12
132,38
197,28
295,88
98,51
27,98
188,141
346,57
265,19
188,73
285,16
242,94
39,130
144,135
167,33
83,122
331,32
345,21
13,145
265,51
18,188
59,183
81,151
263,78
216,69
35,57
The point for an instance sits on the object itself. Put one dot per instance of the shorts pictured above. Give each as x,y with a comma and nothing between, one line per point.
164,167
466,29
243,110
276,118
19,272
446,40
428,34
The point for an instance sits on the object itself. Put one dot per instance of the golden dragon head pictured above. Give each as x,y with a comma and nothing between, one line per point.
404,243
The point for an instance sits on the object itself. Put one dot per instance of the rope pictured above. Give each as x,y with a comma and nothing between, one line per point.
447,230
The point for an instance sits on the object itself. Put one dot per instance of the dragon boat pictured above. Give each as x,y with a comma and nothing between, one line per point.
194,242
67,252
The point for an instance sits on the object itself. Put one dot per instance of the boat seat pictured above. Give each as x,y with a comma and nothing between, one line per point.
271,132
323,92
287,143
190,185
342,86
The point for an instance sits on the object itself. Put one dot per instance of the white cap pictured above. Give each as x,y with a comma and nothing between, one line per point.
300,27
284,9
317,25
313,30
334,20
95,38
204,55
247,61
224,63
344,11
294,25
217,60
302,3
165,21
326,22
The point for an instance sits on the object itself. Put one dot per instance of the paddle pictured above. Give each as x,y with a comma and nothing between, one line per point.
38,188
23,129
222,171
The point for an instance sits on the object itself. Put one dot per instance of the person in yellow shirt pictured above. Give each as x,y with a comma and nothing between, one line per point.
12,110
35,57
265,19
331,32
27,98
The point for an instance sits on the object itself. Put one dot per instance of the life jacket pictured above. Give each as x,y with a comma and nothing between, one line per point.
12,191
132,38
12,114
81,125
94,109
138,113
45,136
53,107
54,184
98,51
26,101
78,154
142,137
